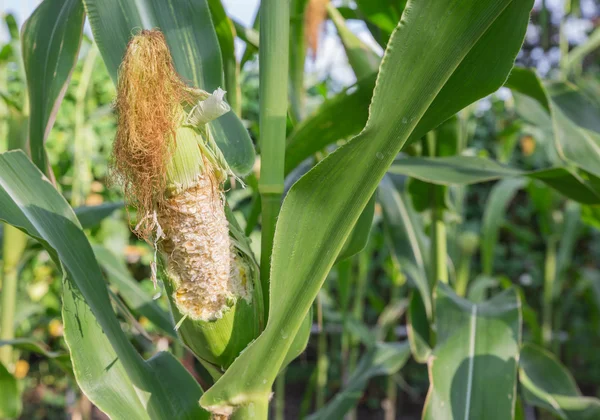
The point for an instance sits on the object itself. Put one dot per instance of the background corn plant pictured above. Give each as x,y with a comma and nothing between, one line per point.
378,230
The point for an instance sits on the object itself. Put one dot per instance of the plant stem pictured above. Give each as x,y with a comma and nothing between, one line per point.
322,359
438,242
357,313
439,249
545,25
13,247
549,280
344,269
273,56
391,399
463,273
258,409
297,58
280,396
563,41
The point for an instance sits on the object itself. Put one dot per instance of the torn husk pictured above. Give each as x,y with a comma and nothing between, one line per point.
173,173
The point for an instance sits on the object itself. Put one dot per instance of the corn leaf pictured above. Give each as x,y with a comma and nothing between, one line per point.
50,43
429,47
363,60
381,360
574,120
418,329
139,301
194,45
91,216
577,54
10,397
477,345
231,69
547,384
357,241
106,365
406,238
338,118
62,359
36,347
466,170
493,217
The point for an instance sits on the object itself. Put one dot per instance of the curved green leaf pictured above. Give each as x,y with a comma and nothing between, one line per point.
36,347
493,217
362,58
477,345
573,120
338,118
106,365
418,329
50,42
138,300
357,241
547,384
320,210
465,170
91,216
231,69
10,397
193,42
577,54
406,238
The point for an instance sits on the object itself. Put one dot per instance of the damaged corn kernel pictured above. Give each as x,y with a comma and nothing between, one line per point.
203,263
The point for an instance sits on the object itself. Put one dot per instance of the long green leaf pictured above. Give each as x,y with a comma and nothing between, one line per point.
10,397
382,359
473,368
36,347
573,119
465,170
50,42
231,69
91,216
193,42
577,54
137,299
493,218
406,238
548,384
338,118
361,57
357,241
320,210
106,366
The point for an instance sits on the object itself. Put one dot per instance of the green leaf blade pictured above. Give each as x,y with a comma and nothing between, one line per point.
50,43
478,344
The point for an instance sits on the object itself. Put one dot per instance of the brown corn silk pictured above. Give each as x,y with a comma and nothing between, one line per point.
149,109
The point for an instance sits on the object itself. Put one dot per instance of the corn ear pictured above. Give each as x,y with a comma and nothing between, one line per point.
173,173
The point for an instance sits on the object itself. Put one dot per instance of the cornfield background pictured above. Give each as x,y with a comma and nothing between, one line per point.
417,211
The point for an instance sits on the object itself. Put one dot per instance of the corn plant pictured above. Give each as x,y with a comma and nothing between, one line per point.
180,144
